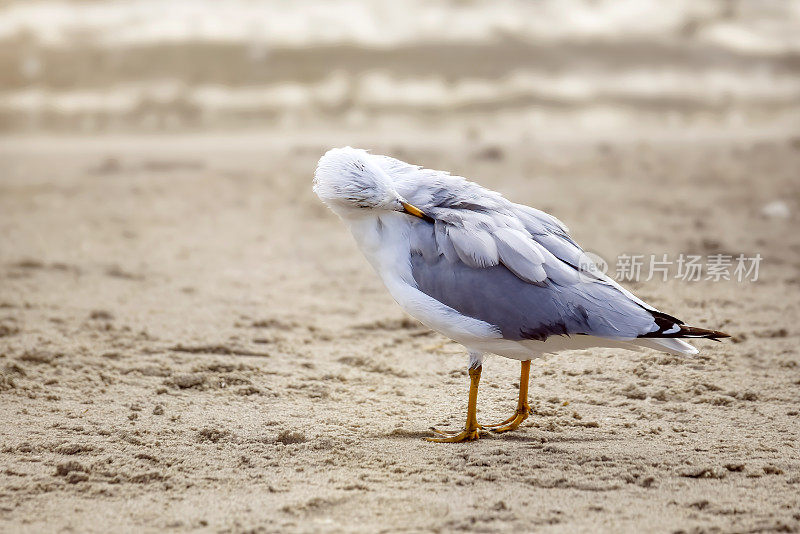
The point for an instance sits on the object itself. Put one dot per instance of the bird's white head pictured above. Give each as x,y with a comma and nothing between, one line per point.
349,182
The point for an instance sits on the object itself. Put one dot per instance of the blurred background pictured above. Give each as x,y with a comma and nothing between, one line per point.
187,65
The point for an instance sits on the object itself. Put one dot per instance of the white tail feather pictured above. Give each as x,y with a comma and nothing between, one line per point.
671,345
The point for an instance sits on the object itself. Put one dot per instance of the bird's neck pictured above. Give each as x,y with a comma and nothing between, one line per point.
384,240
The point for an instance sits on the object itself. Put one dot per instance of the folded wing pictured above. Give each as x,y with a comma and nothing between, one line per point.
510,265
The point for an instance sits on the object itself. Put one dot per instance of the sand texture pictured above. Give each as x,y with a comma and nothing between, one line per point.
190,340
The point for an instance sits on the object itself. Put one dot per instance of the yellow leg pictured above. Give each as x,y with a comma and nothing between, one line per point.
472,429
523,408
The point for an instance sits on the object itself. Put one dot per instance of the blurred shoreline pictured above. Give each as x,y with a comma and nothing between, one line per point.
130,66
444,137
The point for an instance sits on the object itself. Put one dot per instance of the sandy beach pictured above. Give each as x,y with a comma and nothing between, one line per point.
190,340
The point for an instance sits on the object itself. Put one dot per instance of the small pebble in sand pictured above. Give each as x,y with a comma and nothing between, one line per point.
777,209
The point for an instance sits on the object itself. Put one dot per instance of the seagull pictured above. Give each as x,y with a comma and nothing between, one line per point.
494,276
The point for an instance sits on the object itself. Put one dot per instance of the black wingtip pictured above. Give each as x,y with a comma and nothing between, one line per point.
666,328
693,331
686,332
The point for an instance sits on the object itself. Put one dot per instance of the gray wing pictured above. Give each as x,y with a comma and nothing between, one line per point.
511,265
522,310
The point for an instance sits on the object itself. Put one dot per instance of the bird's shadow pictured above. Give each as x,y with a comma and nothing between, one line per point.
519,436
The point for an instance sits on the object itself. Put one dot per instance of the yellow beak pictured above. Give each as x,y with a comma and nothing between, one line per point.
416,212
